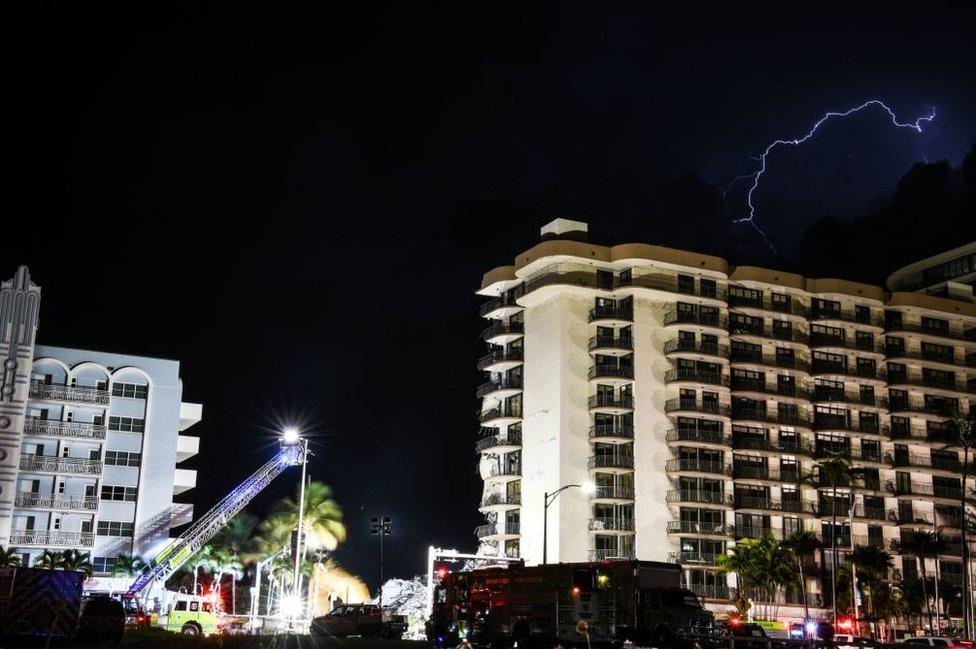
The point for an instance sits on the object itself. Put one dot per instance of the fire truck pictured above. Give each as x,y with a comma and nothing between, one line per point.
573,604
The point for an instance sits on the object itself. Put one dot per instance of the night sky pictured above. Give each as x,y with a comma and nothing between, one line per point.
298,203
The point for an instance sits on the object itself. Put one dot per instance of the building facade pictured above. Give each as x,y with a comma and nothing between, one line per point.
697,400
89,444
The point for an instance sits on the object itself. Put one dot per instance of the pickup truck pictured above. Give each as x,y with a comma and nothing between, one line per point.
365,620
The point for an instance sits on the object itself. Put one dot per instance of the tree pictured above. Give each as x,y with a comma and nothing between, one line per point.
238,535
49,560
762,566
127,565
922,545
77,561
872,564
323,517
833,472
9,558
225,561
802,544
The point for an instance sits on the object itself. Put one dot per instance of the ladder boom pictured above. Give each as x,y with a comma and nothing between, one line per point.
187,544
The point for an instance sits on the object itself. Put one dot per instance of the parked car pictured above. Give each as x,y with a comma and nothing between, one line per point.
102,618
364,620
935,641
848,641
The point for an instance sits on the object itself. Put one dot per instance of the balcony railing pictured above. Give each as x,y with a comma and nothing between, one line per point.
507,383
496,529
692,405
790,307
695,376
611,342
826,423
611,313
843,510
926,462
696,435
924,489
916,327
611,462
756,532
749,443
830,367
894,351
611,401
702,496
763,331
613,524
613,492
495,304
612,372
940,409
837,395
693,558
857,454
694,465
693,347
72,393
844,315
501,412
492,358
712,591
55,538
768,504
503,470
495,441
700,528
694,318
671,285
771,360
741,384
56,428
936,382
503,329
31,500
612,430
611,554
52,464
502,499
772,473
785,418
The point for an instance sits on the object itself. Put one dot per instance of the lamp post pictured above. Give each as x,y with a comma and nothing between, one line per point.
291,437
548,499
381,526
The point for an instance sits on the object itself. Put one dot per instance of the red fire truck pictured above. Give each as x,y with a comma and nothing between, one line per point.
641,601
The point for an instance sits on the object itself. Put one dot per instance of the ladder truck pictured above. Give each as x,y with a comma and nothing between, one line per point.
181,549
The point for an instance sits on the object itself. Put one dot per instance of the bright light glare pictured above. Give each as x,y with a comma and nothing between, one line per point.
291,606
589,488
290,435
811,628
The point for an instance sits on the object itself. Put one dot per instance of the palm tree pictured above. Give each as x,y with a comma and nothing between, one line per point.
872,564
77,561
761,567
803,544
960,431
922,545
834,472
202,559
49,560
225,562
323,517
238,535
127,565
9,558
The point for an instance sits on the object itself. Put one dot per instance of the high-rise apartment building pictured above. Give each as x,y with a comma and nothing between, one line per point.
696,399
89,444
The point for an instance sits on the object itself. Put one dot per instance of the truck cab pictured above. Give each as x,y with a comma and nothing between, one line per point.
191,615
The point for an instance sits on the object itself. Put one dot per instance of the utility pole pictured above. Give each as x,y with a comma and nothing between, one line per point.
381,526
301,523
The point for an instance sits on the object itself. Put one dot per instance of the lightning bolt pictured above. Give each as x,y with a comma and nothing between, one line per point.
763,159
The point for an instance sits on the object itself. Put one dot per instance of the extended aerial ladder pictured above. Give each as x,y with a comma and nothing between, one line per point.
181,549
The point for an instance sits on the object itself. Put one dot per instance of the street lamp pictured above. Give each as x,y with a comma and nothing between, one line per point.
291,437
587,487
381,526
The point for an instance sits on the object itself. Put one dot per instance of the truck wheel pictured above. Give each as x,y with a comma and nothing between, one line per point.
190,629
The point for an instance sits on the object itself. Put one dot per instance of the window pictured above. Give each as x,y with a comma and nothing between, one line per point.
935,324
103,564
127,424
180,606
122,458
115,492
130,390
781,302
114,528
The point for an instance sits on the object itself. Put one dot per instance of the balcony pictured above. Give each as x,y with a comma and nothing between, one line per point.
694,465
52,464
791,391
500,360
789,308
670,284
896,406
186,447
785,418
611,345
790,447
696,436
613,524
769,505
506,386
511,470
836,395
829,368
698,496
501,500
770,360
500,413
498,443
52,538
953,494
613,492
695,349
769,332
708,320
611,314
501,307
765,473
31,500
712,591
497,529
698,528
691,375
611,432
928,463
757,532
68,393
503,332
613,373
700,559
845,315
897,353
611,554
612,404
184,480
55,428
691,405
869,427
934,382
615,462
843,510
842,342
933,332
917,434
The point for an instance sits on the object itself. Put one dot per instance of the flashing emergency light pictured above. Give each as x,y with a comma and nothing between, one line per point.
735,621
291,606
845,624
811,628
